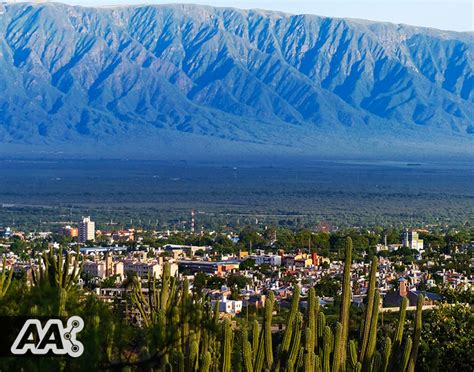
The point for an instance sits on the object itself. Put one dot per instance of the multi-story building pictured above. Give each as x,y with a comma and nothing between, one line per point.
227,306
145,269
72,232
412,241
190,250
319,260
95,269
86,230
210,267
117,235
272,260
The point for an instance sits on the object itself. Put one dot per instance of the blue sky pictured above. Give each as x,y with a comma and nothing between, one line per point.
455,15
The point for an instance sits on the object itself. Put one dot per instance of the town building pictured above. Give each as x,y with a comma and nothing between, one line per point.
412,241
69,231
86,230
189,250
394,299
117,235
210,267
272,260
232,307
145,269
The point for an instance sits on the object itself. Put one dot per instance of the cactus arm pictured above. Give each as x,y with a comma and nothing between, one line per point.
353,353
65,277
267,329
285,345
418,329
226,365
260,359
369,309
295,345
60,270
386,353
315,329
206,362
336,366
346,300
327,347
406,354
300,359
255,337
193,355
308,353
373,334
317,364
5,280
246,351
165,283
394,358
311,319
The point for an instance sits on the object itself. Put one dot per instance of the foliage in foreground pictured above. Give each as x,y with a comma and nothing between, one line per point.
187,334
447,340
172,329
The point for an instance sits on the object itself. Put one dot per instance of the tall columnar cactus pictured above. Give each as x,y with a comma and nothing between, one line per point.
308,353
367,362
295,344
62,302
397,343
5,279
336,366
346,300
406,354
300,359
316,316
369,307
193,355
56,270
285,345
255,339
321,325
206,362
180,361
184,313
317,364
311,319
260,358
58,275
159,299
353,354
327,349
418,329
246,351
401,322
268,329
227,346
175,322
189,328
386,354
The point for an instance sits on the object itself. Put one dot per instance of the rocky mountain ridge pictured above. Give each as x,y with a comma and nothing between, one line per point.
171,79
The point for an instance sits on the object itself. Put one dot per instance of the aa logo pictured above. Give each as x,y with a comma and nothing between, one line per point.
53,337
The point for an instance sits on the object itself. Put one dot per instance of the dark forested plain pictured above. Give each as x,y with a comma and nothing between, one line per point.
154,193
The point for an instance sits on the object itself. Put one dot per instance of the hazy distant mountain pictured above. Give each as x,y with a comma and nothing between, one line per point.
184,80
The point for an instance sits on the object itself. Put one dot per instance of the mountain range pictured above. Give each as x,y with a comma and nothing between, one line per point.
188,81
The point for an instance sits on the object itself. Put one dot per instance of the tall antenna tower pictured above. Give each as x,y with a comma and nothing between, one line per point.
192,221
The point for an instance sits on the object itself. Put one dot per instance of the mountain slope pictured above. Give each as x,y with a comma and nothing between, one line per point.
193,79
